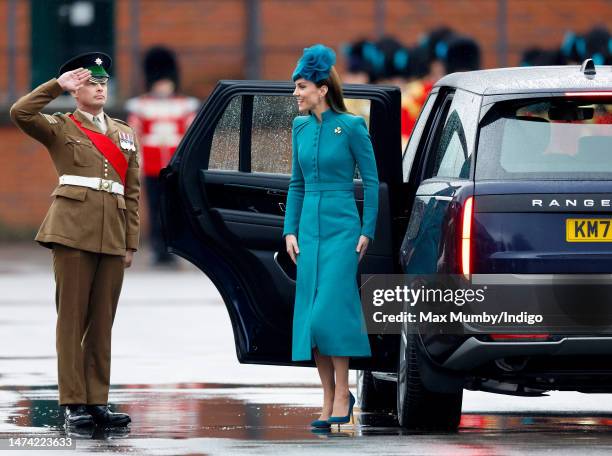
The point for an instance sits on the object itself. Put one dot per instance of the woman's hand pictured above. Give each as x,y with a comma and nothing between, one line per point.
292,247
362,246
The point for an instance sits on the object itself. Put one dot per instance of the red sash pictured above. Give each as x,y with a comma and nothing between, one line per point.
108,148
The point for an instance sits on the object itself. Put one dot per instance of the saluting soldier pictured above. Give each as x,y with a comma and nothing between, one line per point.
92,228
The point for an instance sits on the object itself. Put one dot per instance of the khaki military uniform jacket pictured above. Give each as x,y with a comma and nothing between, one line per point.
81,217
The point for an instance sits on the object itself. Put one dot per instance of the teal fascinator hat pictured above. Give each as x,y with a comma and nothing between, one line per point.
315,64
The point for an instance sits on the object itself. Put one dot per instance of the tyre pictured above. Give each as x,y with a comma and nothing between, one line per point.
375,395
417,407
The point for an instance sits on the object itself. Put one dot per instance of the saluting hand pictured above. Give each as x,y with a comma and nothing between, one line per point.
73,80
292,247
362,246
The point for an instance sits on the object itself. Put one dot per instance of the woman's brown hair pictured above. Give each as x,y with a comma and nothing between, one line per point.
334,97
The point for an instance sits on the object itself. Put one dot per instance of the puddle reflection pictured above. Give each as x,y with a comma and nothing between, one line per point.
262,413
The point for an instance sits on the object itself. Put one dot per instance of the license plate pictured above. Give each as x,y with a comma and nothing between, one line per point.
588,230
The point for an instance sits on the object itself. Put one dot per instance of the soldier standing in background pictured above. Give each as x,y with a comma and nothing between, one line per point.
359,70
439,53
92,227
160,117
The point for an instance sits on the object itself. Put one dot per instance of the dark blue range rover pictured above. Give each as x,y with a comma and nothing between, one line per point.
508,171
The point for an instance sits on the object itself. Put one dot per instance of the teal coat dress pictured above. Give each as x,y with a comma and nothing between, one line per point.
321,212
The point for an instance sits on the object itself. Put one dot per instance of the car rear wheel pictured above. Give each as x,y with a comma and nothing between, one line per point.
418,407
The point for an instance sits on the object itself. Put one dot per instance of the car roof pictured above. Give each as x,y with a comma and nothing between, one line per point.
529,79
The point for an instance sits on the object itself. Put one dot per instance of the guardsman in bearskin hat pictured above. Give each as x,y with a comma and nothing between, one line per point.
441,52
398,68
598,45
573,48
161,117
359,70
536,56
427,67
92,228
463,54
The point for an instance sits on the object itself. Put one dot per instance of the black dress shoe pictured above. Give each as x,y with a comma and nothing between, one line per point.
76,415
103,416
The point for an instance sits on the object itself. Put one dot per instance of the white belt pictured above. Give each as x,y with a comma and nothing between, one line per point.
97,183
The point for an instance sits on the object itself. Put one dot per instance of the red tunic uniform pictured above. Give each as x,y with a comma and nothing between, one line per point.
414,95
160,124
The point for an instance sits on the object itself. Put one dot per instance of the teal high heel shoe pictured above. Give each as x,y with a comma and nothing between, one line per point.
344,419
320,424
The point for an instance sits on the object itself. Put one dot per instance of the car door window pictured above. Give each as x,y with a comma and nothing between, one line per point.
224,152
415,137
452,159
271,134
455,138
269,127
271,131
359,107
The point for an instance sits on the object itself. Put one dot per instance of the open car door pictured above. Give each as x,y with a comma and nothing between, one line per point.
223,204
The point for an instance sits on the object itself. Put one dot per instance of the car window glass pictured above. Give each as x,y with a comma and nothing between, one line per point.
554,138
415,137
453,159
451,153
271,131
359,107
456,140
224,152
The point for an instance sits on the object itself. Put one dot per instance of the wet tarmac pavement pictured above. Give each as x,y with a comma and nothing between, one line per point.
234,419
175,372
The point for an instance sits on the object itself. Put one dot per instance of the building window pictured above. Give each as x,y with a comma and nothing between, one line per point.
62,29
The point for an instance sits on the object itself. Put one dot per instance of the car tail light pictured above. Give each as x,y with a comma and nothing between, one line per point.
588,94
466,236
515,337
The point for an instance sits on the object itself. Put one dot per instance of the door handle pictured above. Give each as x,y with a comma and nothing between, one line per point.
281,267
276,192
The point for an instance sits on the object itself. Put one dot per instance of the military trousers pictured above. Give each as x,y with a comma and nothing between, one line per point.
87,291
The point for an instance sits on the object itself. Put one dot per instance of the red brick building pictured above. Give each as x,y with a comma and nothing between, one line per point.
235,39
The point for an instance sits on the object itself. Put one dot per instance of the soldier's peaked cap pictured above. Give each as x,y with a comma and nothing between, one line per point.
98,63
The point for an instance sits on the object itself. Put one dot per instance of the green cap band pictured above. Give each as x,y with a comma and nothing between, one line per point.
98,71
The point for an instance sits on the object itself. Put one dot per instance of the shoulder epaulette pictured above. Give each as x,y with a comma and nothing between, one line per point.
121,122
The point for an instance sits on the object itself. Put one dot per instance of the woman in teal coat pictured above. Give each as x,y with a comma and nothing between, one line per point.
323,233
